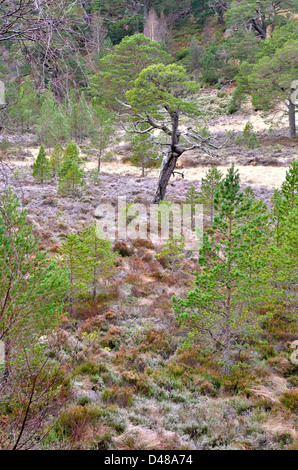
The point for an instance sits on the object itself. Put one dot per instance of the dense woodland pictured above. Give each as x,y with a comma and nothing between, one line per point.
133,345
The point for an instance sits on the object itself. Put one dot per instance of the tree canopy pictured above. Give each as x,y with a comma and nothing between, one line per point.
118,71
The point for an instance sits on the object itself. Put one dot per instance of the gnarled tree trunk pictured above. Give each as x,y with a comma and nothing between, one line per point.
292,119
167,168
169,163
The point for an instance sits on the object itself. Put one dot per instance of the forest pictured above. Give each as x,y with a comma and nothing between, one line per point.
148,225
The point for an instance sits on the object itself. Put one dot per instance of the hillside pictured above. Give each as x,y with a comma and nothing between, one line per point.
148,225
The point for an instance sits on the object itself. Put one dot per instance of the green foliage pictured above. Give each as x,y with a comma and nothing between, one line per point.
32,290
56,158
290,185
103,129
209,186
279,38
192,198
80,116
259,15
248,137
221,310
22,267
144,154
27,106
72,153
282,251
94,177
72,257
100,261
71,181
89,260
211,67
243,46
71,177
172,253
119,70
163,86
42,170
269,81
282,254
126,27
52,123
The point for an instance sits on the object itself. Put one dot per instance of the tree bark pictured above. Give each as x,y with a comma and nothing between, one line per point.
292,119
99,161
262,30
220,16
88,12
146,9
169,163
168,166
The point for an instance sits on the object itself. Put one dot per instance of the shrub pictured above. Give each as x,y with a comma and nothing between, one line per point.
123,249
123,396
142,243
290,400
42,170
171,255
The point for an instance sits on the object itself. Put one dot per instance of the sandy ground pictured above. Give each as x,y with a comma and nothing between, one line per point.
270,177
237,122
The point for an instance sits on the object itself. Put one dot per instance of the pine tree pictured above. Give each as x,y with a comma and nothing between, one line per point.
103,129
222,309
100,261
282,251
144,155
42,170
119,70
32,291
194,57
281,255
72,257
73,180
290,185
81,116
172,253
71,176
71,154
33,284
192,197
27,108
52,124
286,199
56,159
209,186
270,80
89,259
